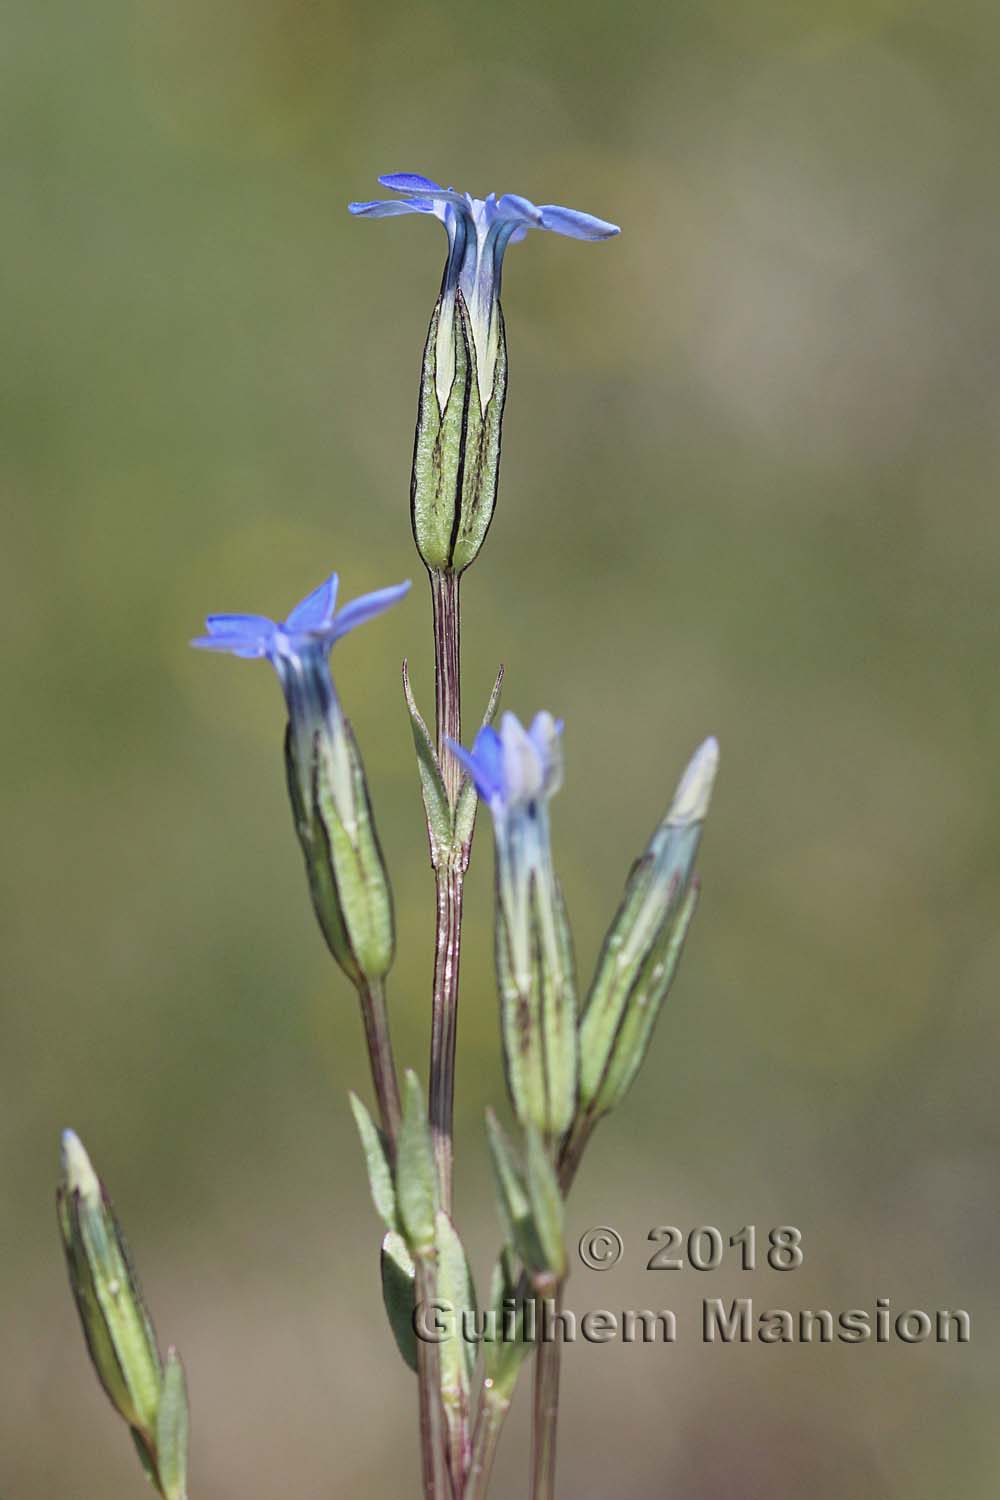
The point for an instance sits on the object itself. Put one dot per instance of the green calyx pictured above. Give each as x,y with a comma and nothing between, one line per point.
538,1018
348,880
456,452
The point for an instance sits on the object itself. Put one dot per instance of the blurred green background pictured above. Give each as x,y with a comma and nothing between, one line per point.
748,489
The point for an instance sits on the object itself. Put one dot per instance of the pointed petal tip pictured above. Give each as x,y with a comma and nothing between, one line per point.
694,790
79,1174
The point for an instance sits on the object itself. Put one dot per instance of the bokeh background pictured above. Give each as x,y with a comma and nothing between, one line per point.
748,489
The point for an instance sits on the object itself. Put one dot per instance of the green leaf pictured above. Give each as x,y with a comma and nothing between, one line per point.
515,1205
172,1430
455,1287
436,807
468,800
149,1468
546,1203
399,1295
379,1172
503,1357
416,1176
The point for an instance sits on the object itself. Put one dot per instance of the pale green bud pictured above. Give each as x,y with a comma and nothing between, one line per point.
643,946
117,1328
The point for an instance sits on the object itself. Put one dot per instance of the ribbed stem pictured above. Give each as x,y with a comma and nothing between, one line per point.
433,1448
447,673
545,1410
493,1409
376,1019
448,878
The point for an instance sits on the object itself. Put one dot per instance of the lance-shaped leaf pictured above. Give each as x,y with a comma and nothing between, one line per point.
546,1200
416,1176
643,945
516,1209
504,1346
379,1171
432,787
399,1295
172,1431
455,1291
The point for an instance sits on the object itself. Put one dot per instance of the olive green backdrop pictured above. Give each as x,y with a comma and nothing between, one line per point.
748,489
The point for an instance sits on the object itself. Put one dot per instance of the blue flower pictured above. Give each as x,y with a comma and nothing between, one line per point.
479,231
517,767
516,771
298,648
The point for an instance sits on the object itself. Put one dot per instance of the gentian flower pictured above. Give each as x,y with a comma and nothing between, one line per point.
479,231
643,945
516,771
326,779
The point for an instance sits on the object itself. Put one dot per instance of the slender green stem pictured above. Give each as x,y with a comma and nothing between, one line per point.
493,1408
433,1450
383,1066
448,877
545,1411
490,1412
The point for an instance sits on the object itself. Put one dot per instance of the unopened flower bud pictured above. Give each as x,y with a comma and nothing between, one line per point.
643,946
116,1326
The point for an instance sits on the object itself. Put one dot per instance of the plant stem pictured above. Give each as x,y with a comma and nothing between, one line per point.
375,1016
449,877
447,673
434,1466
491,1412
493,1408
545,1412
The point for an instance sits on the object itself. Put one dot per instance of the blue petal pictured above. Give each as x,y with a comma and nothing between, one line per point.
316,610
487,747
578,226
365,608
409,182
484,762
235,645
520,211
388,207
248,625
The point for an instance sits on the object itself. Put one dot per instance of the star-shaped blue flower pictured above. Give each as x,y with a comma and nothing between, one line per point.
515,769
298,648
479,231
313,625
